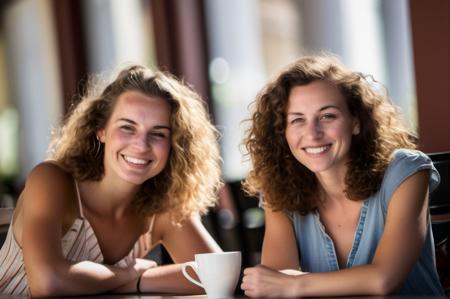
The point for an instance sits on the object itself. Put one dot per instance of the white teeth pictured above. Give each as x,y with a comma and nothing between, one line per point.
135,160
316,150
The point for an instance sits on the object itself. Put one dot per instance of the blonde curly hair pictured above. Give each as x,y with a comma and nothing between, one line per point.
189,182
275,173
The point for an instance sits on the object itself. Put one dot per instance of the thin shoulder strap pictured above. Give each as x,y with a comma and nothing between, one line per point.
80,206
151,225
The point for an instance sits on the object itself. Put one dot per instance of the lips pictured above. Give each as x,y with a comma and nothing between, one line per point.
317,149
136,161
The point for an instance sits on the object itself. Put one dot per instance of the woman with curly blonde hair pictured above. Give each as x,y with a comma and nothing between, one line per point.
135,164
345,192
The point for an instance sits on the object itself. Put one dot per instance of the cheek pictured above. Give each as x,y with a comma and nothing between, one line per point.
117,137
163,149
288,136
341,131
292,136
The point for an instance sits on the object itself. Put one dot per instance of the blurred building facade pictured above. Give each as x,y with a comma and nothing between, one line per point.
225,49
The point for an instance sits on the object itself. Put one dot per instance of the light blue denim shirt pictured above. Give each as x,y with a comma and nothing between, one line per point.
317,253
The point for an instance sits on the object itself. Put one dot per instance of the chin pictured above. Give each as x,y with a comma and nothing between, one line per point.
134,180
316,168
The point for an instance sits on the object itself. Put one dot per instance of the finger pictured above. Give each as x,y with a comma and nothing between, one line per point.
251,293
248,271
244,286
261,267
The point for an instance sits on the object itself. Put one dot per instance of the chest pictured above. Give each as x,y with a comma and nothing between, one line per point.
117,238
340,224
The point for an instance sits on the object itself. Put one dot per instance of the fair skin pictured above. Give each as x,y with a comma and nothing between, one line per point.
137,147
319,130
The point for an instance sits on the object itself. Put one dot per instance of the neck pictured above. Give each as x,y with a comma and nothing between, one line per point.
332,184
107,199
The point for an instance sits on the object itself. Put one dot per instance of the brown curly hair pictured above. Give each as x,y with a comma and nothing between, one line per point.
275,173
190,180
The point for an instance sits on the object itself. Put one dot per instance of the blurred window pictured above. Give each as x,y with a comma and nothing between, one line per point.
8,124
251,41
118,32
31,89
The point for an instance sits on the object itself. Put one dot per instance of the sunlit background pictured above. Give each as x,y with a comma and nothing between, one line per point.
247,43
226,49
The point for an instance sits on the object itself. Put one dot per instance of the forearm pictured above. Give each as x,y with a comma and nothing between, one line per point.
168,279
80,278
360,280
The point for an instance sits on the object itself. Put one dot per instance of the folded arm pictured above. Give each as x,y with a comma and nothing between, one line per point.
405,228
47,201
182,243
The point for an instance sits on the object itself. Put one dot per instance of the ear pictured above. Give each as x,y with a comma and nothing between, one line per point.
356,127
101,135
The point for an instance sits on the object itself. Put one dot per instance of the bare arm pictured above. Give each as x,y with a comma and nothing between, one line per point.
48,194
279,238
406,227
182,243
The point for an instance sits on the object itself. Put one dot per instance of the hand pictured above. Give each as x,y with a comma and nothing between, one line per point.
138,267
142,265
261,281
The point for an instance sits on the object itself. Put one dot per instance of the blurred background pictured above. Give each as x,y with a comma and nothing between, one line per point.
226,49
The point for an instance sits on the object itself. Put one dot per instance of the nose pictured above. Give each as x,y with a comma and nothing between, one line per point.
314,129
140,142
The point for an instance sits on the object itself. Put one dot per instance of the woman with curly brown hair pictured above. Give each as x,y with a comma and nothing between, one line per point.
345,192
135,164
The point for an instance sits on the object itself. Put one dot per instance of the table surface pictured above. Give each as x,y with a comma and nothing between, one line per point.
119,296
166,296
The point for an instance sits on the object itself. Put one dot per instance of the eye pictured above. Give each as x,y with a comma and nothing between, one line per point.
297,120
328,116
126,128
158,135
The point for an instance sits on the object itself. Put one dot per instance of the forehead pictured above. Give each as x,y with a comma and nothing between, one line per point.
138,106
315,95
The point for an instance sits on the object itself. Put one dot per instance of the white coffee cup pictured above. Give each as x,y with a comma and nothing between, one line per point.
218,272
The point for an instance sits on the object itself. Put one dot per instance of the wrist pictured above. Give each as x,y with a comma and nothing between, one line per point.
296,286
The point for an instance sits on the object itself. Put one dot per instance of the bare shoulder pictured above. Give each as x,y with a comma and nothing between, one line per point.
47,169
49,189
48,178
276,216
49,196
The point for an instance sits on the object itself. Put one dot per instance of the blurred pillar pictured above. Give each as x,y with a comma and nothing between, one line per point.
180,40
34,75
335,26
323,27
116,34
399,57
237,72
431,46
71,47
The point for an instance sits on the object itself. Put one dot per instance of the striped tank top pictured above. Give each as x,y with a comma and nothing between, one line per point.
78,244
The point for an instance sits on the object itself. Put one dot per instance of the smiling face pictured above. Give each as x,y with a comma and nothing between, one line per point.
319,127
137,137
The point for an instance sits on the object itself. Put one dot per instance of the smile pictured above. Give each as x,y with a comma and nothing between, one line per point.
317,150
136,161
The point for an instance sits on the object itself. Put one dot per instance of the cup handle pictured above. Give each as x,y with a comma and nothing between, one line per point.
193,265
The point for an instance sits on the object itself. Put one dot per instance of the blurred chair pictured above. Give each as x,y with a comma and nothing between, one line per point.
440,215
240,223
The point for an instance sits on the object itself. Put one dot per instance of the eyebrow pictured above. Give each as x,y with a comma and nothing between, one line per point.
158,127
321,109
